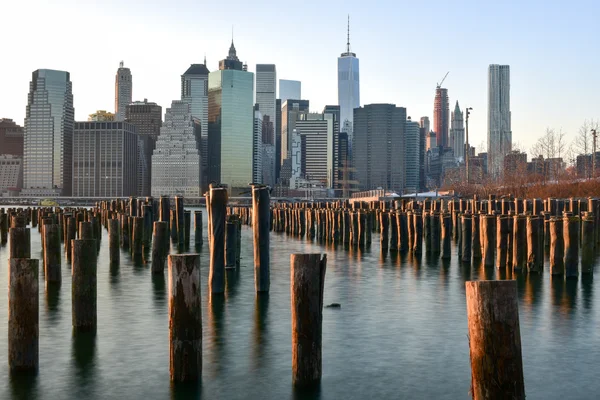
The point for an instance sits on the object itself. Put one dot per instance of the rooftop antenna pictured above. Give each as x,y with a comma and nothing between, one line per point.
348,37
205,59
121,64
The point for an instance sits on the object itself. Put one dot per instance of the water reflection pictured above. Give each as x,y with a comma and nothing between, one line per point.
84,360
231,282
24,386
261,308
216,327
186,391
530,288
587,291
312,393
52,301
114,273
159,290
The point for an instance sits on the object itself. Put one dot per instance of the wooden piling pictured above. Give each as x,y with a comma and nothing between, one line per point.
23,315
230,244
557,247
588,245
535,244
3,228
446,220
198,240
185,318
20,239
137,239
52,256
519,261
501,241
261,201
488,230
494,340
218,211
476,237
571,238
114,241
83,286
418,234
307,284
467,232
384,229
160,241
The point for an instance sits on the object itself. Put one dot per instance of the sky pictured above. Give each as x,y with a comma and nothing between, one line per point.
404,47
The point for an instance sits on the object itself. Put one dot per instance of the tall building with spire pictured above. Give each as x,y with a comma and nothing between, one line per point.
441,116
499,118
348,88
123,91
457,133
230,123
49,120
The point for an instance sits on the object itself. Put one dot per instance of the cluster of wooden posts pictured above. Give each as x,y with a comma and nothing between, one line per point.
517,229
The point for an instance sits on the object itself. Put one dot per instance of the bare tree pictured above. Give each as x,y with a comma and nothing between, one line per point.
583,140
551,146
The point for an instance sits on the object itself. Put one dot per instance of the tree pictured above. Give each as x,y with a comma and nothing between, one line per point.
551,146
583,143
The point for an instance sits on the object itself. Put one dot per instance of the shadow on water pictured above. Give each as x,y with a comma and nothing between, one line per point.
52,300
216,310
159,289
138,264
114,273
24,386
310,393
186,391
261,308
84,359
587,291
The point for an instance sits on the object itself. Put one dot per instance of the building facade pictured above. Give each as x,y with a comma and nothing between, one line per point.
176,161
277,143
379,146
104,159
123,91
457,133
412,162
257,146
289,89
441,116
291,111
499,118
231,124
348,89
48,141
11,137
11,174
318,155
147,117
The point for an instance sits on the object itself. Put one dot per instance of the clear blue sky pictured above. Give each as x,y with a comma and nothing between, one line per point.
404,48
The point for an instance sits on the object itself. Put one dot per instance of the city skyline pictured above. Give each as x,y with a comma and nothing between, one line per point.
534,76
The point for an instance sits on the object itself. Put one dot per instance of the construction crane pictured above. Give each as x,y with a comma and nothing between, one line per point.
439,85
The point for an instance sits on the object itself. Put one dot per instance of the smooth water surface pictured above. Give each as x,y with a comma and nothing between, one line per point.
401,331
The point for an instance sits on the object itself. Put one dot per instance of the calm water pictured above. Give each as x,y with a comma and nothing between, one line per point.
401,332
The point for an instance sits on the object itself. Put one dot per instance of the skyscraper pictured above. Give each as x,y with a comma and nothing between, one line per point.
277,142
499,129
104,162
411,156
266,88
48,146
123,91
257,146
291,110
147,117
379,146
441,116
230,123
289,89
194,90
348,88
176,159
457,133
317,148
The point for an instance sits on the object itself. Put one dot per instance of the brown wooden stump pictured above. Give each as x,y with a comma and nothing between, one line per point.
198,241
587,244
52,256
113,241
84,286
23,315
557,247
261,201
138,236
535,244
307,284
185,318
20,239
571,237
218,211
446,220
519,255
488,230
494,340
466,242
159,249
501,241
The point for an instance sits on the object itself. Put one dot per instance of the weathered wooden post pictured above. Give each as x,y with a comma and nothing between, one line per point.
446,220
138,236
435,232
571,238
557,247
535,244
23,314
261,201
467,231
519,255
488,228
52,258
494,340
20,239
173,225
147,222
198,241
3,228
307,283
587,244
230,244
218,211
185,318
476,237
160,242
501,241
418,233
83,286
384,229
114,241
180,219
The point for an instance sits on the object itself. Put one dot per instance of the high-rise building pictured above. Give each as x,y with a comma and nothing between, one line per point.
104,159
123,91
231,124
422,151
101,116
176,160
499,130
411,156
425,124
194,89
11,174
266,86
441,116
457,133
257,146
348,88
291,111
317,148
147,117
11,137
48,149
334,111
289,89
379,146
277,143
